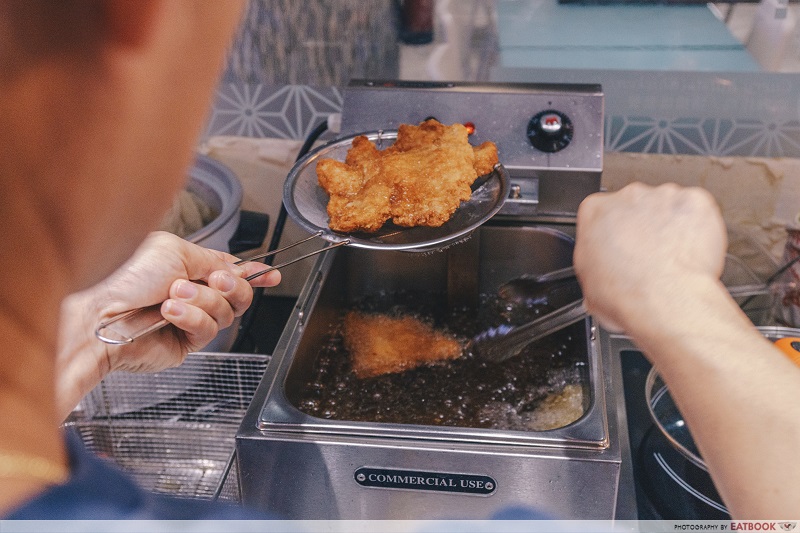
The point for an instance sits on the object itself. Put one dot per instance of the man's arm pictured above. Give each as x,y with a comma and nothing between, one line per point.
649,262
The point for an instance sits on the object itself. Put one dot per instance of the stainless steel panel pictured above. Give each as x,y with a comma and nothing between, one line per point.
500,112
307,477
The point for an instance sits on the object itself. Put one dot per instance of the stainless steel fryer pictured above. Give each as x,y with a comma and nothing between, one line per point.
309,467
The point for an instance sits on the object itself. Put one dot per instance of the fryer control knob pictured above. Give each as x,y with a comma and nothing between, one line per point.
550,131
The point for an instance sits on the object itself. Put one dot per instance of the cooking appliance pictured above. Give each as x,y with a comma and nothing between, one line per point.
305,458
667,484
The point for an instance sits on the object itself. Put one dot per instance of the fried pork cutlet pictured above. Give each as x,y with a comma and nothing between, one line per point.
381,344
418,181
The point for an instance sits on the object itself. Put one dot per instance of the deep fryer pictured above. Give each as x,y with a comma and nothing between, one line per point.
303,466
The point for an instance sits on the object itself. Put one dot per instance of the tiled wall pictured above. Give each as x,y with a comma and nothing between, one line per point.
292,59
702,136
292,111
284,112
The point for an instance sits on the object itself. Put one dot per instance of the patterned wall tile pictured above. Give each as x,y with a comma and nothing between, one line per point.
703,136
255,110
292,111
291,58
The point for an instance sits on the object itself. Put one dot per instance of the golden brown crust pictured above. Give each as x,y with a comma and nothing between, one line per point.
380,344
485,158
419,181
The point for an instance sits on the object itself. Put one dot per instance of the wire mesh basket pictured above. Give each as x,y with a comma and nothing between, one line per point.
174,431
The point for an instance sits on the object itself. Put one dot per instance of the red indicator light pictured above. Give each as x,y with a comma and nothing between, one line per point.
470,127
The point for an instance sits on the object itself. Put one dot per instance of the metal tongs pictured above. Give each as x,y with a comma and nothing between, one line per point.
131,325
499,343
505,341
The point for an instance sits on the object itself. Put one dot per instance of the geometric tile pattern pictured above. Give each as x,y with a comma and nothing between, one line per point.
292,111
254,110
703,136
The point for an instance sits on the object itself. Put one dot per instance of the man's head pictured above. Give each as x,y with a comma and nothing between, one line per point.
101,102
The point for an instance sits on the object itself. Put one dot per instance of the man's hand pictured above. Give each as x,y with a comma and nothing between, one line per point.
165,269
638,249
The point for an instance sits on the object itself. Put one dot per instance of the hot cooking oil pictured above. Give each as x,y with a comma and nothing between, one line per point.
465,392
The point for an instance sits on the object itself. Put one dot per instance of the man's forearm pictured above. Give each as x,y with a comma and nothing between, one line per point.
740,397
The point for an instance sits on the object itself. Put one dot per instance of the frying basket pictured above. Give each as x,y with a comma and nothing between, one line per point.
174,431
